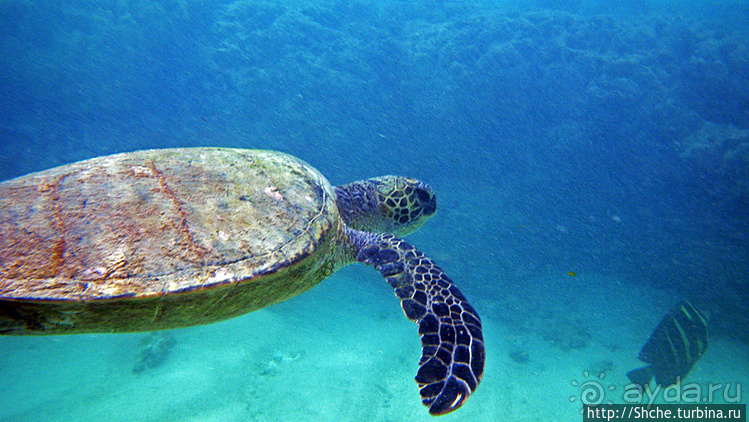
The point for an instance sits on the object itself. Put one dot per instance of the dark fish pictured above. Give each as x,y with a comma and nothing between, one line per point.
671,352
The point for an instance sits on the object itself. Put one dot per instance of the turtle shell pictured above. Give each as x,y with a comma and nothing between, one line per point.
160,239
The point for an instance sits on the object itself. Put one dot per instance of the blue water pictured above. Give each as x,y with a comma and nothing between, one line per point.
591,165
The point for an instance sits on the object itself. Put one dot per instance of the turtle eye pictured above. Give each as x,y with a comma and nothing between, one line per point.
423,195
427,200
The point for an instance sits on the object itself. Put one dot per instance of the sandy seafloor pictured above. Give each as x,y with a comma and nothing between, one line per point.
342,351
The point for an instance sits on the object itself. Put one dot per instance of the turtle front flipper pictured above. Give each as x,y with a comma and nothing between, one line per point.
452,359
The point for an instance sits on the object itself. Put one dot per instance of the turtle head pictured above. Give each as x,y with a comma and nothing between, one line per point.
390,204
404,202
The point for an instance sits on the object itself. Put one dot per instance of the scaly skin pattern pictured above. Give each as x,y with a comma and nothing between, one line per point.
386,204
452,360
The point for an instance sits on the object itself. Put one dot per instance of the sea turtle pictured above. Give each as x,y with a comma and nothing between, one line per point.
168,238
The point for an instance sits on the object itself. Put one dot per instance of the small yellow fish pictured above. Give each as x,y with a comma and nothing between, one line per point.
572,273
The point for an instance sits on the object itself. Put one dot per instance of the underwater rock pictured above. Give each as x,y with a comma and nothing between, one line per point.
279,359
600,367
519,355
566,334
579,339
156,348
713,139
